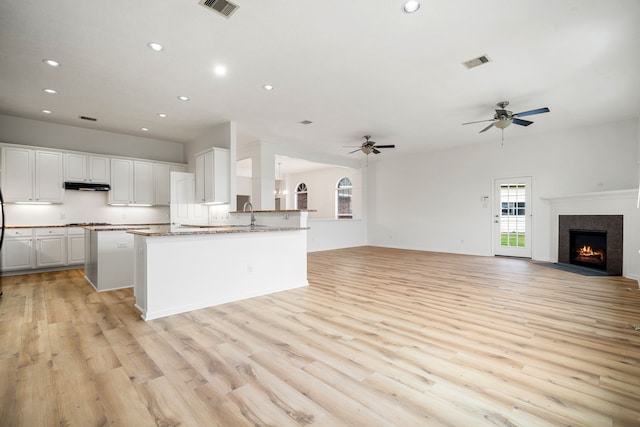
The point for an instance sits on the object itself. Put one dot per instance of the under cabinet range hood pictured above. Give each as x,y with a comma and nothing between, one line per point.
86,186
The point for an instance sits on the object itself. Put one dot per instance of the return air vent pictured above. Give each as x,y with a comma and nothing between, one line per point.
223,7
476,61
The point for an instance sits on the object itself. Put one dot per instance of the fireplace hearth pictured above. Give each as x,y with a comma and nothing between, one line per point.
593,241
588,248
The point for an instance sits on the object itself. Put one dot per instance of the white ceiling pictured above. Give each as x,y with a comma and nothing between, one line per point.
352,67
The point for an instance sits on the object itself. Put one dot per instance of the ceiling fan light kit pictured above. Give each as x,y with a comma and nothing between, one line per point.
503,118
369,146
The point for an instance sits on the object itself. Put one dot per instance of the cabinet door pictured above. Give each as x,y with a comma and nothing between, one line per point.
75,249
51,251
162,182
99,170
143,183
75,167
161,173
17,174
121,181
49,177
221,175
200,179
17,254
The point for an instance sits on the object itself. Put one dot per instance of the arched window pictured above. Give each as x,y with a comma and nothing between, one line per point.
343,199
301,196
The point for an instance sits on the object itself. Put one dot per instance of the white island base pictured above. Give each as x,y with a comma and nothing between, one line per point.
180,273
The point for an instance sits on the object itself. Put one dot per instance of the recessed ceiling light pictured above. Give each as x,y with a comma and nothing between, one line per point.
51,62
163,115
47,111
144,129
410,6
51,91
220,70
183,98
267,87
155,46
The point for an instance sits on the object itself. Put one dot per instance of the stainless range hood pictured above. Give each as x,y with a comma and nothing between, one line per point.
86,186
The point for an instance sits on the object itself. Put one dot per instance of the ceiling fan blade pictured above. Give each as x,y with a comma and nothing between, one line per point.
487,128
532,112
479,121
376,151
384,146
351,152
521,122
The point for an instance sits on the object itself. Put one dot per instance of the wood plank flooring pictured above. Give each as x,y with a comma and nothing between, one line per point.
381,337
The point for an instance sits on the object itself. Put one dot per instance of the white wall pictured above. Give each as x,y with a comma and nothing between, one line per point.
324,235
83,206
432,201
16,130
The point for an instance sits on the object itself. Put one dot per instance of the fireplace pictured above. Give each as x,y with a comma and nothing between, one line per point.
588,248
593,241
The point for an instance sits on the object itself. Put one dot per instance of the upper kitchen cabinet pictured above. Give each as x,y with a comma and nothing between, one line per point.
162,182
34,176
212,176
131,182
85,168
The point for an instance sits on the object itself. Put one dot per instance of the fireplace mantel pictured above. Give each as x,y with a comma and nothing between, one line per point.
615,194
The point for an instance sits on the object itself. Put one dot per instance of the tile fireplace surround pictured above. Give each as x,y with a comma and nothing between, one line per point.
612,224
616,203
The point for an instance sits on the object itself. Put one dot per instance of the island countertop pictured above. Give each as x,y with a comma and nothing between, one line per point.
220,229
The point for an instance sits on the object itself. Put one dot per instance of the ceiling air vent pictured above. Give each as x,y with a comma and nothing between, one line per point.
223,7
476,61
91,119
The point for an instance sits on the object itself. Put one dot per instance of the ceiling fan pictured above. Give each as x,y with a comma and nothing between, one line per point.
369,146
503,118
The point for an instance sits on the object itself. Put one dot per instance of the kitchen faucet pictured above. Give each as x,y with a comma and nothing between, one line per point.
253,218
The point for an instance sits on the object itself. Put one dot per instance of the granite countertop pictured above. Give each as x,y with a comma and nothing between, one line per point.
84,224
116,227
201,230
276,211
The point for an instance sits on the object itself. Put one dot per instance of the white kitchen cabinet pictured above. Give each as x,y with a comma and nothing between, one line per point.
212,176
32,175
18,251
51,247
162,182
85,168
143,182
131,182
75,246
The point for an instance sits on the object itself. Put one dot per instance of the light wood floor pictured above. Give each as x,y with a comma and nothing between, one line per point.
380,337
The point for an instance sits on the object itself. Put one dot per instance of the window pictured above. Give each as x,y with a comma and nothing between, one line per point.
343,199
512,208
301,196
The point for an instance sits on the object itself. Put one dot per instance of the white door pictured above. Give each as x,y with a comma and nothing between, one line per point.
512,217
183,208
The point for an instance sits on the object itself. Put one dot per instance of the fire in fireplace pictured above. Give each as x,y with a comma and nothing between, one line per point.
588,248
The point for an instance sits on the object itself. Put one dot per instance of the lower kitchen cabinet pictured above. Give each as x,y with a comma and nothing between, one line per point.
26,249
51,247
18,251
75,246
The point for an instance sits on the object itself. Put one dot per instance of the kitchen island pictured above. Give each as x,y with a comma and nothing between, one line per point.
109,256
182,269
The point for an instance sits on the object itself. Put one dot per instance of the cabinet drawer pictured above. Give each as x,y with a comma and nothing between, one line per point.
18,232
59,231
75,231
